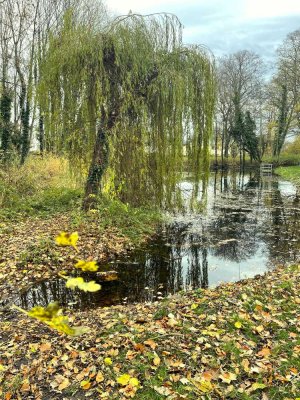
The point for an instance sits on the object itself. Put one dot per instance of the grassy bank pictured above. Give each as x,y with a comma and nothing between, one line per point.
239,341
291,173
285,159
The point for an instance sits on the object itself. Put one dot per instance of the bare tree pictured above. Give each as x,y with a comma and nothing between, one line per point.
286,96
240,80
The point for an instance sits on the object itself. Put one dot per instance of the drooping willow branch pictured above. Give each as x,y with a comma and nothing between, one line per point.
130,104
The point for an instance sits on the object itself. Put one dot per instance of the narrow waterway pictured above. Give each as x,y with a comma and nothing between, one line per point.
232,227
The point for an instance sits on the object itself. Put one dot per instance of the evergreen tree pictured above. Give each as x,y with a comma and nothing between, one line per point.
250,140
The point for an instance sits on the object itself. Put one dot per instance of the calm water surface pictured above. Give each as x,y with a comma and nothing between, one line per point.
233,227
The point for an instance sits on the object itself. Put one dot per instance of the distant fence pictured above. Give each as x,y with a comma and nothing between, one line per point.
266,168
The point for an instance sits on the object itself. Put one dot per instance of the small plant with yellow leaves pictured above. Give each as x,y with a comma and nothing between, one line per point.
67,239
129,384
70,239
87,266
79,283
53,317
52,314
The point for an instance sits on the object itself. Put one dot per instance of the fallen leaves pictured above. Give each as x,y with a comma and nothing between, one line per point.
108,361
227,377
265,352
45,347
64,384
191,357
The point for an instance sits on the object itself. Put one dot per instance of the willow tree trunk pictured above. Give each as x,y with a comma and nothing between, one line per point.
97,168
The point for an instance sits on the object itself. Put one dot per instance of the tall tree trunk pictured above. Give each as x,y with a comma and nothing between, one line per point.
5,114
97,168
216,146
41,136
25,113
222,146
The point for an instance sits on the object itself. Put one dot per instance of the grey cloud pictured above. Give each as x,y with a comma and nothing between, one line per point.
262,36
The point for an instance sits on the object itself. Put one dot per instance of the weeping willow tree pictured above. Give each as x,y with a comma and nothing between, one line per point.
128,104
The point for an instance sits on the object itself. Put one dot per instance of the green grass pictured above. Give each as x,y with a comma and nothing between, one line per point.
291,173
43,187
285,159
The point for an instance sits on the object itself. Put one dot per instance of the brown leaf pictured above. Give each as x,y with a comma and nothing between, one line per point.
64,384
139,347
265,352
150,343
99,377
45,347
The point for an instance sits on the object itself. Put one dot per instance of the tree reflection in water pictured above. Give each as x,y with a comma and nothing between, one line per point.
231,225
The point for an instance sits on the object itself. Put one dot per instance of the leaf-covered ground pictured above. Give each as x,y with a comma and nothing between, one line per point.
28,252
238,341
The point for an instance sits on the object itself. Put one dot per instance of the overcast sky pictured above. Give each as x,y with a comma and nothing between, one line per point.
226,26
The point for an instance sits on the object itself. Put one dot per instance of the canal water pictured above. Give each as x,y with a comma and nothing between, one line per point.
231,227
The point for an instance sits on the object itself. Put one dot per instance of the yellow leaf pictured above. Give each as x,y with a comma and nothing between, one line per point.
64,384
2,368
124,379
156,360
227,377
67,239
52,316
259,328
85,385
72,283
80,330
212,333
194,306
238,324
91,286
203,385
87,265
245,364
257,386
108,361
134,382
99,377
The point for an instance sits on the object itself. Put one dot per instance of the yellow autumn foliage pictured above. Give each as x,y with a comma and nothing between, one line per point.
87,266
67,239
127,379
53,317
79,283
